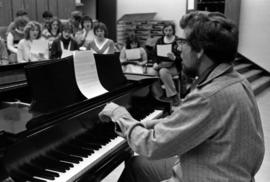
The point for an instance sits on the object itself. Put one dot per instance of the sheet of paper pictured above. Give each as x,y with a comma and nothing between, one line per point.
86,74
133,54
40,46
66,53
39,50
163,50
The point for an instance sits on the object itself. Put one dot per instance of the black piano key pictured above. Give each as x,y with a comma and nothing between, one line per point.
76,145
95,138
39,172
73,150
19,176
64,157
86,144
49,163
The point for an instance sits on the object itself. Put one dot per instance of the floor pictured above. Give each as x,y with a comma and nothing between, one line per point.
263,174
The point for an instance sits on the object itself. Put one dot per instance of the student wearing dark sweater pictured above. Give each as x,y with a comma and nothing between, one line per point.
64,45
167,65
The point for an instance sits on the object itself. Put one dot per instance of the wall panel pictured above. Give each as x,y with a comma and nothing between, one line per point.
65,8
53,7
42,5
5,12
31,8
17,5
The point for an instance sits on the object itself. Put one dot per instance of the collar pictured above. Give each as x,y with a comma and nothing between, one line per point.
170,40
215,72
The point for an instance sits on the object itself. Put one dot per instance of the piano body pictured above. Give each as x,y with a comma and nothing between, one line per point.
64,140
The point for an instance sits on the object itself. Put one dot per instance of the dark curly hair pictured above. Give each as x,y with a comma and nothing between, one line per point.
212,32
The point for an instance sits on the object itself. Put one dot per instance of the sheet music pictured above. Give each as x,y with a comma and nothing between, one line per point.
40,45
86,74
132,54
66,53
163,50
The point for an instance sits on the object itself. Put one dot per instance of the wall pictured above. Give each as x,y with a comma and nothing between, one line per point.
89,8
35,8
254,31
165,9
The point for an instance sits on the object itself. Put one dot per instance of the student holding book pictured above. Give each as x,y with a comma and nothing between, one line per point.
133,57
32,47
101,44
86,35
167,57
65,44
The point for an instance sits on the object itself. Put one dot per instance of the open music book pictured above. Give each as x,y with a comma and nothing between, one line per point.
86,74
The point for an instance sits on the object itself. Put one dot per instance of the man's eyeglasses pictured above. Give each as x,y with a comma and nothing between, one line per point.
181,41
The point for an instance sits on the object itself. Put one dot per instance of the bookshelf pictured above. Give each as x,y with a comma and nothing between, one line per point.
143,26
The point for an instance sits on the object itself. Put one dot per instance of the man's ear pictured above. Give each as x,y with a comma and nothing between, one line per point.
200,54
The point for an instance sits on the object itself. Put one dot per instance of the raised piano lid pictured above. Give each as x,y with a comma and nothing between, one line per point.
55,92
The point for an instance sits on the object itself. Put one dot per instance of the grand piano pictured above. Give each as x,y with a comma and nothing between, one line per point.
60,137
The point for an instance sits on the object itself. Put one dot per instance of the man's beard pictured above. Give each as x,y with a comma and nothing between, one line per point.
190,72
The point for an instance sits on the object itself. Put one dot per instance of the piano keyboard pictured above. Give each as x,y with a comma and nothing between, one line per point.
70,171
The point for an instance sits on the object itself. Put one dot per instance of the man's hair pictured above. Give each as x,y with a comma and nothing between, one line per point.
21,13
212,32
102,26
31,26
47,14
20,22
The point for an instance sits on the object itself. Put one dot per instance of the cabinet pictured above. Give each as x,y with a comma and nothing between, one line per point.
143,26
231,8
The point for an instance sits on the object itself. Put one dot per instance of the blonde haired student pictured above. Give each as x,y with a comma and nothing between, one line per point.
27,51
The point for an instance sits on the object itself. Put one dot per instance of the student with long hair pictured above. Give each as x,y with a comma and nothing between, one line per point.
101,44
26,53
165,65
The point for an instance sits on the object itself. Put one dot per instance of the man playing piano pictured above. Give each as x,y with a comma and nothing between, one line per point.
216,132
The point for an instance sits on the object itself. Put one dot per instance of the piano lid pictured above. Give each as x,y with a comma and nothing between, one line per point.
110,71
53,84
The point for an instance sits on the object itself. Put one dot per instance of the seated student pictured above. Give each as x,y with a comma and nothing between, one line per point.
101,44
3,53
28,50
53,32
75,21
86,35
13,38
47,18
64,45
166,64
135,61
19,14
